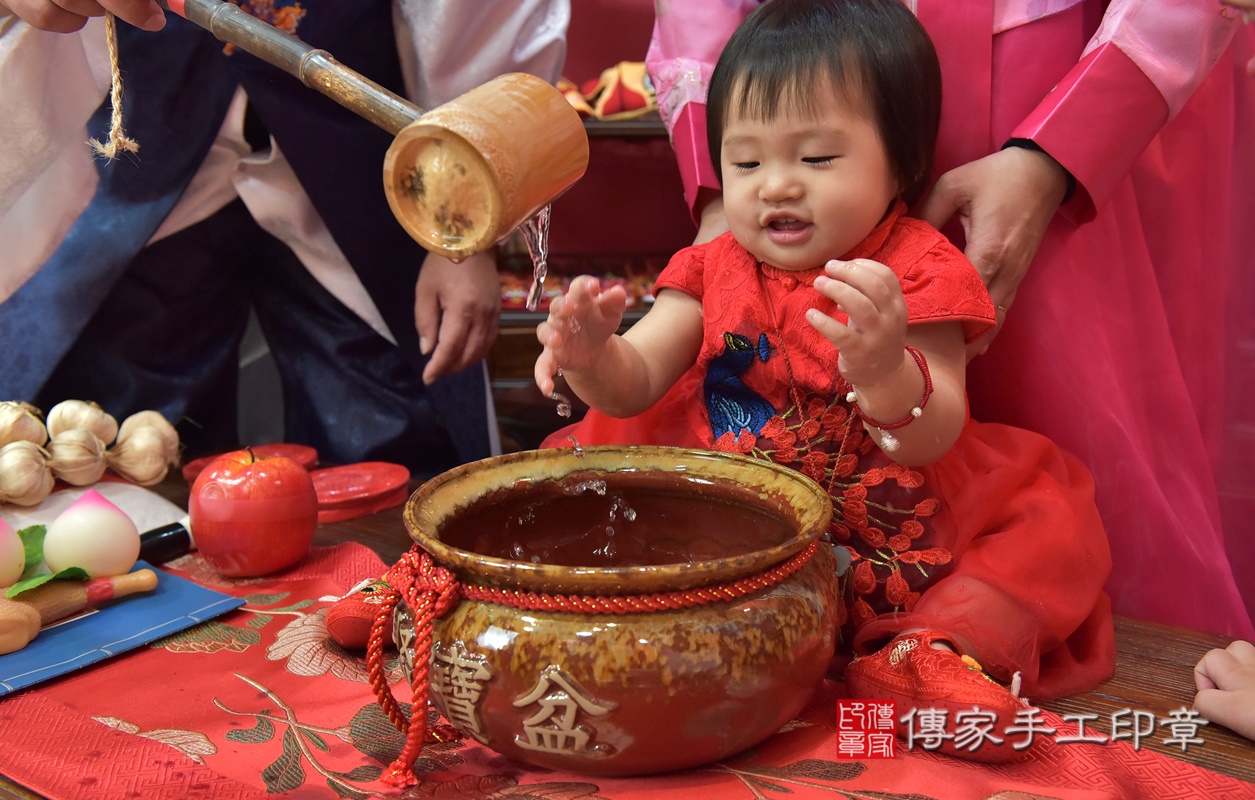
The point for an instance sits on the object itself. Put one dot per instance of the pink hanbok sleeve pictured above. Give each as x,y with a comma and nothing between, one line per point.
1140,67
688,37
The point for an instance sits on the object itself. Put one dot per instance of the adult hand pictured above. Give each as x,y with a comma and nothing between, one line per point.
457,310
66,16
1248,15
1004,201
1226,687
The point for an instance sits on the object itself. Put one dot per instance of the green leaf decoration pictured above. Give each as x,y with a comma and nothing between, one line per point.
364,773
259,621
374,734
211,636
767,785
263,731
294,607
256,600
814,768
345,791
33,543
67,574
315,740
286,773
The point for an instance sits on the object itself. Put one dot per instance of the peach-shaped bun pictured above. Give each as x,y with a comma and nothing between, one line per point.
94,534
12,555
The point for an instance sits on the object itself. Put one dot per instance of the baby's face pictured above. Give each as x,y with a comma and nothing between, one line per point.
799,190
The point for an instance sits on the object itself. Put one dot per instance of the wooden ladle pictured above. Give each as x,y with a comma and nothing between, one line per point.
459,178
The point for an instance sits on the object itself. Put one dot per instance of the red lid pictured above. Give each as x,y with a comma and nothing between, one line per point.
364,508
362,483
302,454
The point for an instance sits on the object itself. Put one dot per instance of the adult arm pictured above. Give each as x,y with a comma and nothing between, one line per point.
1140,67
687,40
1138,70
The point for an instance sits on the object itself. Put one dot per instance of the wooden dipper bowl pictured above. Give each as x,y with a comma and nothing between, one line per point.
459,178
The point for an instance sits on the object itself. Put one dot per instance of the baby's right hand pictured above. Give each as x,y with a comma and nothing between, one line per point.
580,324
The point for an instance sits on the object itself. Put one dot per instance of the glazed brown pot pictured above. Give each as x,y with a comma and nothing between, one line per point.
634,693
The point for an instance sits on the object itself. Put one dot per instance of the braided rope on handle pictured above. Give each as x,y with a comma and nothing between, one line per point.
431,591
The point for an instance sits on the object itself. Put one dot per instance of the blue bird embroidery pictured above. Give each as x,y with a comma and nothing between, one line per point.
730,404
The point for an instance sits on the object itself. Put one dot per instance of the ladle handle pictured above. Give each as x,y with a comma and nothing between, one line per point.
315,68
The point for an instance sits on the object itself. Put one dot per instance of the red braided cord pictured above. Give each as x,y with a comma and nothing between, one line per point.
374,659
631,604
431,591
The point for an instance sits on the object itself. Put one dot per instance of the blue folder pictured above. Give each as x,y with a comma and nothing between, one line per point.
120,625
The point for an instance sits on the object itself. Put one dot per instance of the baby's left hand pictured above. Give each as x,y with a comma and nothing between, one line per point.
872,341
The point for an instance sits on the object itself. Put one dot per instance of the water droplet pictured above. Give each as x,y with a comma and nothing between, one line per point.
536,234
564,404
579,451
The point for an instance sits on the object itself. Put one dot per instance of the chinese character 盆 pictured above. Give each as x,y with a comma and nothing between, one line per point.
553,728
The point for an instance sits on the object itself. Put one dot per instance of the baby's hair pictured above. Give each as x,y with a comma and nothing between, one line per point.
875,51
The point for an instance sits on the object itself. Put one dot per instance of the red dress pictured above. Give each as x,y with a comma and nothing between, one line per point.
997,543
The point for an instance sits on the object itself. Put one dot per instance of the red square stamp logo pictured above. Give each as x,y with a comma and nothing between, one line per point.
866,729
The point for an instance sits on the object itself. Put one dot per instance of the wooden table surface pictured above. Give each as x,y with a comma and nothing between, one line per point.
1153,677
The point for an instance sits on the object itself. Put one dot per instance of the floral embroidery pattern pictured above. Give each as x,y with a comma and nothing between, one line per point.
192,744
813,774
882,510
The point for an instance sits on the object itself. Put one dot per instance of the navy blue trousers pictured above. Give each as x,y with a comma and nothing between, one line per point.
167,338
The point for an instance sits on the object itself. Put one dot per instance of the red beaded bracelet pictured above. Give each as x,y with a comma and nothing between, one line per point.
914,413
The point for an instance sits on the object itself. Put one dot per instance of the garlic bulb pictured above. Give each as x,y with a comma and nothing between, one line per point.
25,479
152,419
140,456
81,415
77,457
20,422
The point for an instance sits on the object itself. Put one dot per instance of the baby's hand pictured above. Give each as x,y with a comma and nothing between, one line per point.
872,341
580,324
1226,687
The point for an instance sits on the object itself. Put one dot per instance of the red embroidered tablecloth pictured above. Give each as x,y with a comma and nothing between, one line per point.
259,702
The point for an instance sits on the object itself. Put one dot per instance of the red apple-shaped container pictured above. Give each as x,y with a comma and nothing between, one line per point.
253,515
